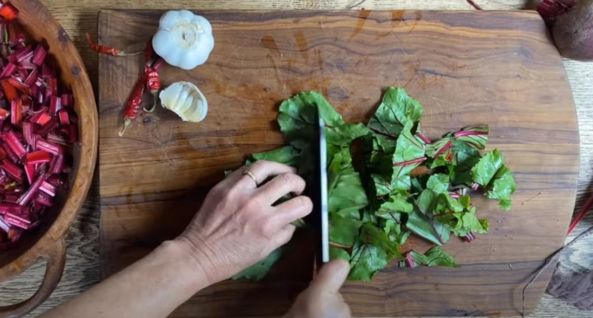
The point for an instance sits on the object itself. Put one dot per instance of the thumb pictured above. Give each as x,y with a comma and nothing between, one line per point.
332,276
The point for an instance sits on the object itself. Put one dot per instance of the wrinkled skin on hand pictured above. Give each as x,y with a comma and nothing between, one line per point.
238,225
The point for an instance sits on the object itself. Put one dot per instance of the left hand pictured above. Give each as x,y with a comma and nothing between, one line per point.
238,225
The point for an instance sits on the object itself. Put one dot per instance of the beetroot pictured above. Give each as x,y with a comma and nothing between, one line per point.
551,9
573,31
37,128
571,22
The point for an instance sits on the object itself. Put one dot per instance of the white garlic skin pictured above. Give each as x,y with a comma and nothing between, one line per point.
184,39
186,100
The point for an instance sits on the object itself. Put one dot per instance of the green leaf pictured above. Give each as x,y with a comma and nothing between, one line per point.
439,183
435,256
502,188
443,231
395,204
259,270
394,231
486,168
297,115
343,230
484,224
426,201
382,186
402,237
465,201
445,203
371,234
476,136
346,195
407,149
371,220
384,143
287,155
495,177
433,148
367,216
338,253
366,260
343,135
466,156
422,226
395,111
460,157
471,223
464,221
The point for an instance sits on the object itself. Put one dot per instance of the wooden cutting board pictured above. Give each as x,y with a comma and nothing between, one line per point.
466,68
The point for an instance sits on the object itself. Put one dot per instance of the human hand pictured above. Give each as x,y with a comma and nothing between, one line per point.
237,225
322,298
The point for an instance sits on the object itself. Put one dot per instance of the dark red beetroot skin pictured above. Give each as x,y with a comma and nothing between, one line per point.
573,32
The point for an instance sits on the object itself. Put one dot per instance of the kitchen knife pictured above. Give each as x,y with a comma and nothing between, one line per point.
320,206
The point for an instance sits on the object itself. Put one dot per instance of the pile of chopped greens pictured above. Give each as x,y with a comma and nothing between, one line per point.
387,180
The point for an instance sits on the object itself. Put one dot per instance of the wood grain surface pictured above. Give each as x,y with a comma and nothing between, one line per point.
465,67
80,16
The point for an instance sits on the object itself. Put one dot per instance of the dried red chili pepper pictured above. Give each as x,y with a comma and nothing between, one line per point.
153,82
132,108
103,49
148,53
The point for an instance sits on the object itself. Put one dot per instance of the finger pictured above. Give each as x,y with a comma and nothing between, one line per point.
262,170
284,235
332,276
233,177
280,186
292,210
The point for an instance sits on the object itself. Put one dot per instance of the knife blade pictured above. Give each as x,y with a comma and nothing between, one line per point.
320,196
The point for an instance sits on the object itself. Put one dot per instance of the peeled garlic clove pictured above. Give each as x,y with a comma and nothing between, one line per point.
186,100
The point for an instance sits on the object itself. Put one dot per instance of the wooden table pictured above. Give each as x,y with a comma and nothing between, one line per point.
79,17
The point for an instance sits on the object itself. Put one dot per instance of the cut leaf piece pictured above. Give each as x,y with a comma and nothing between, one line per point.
409,153
371,234
343,231
346,194
396,110
439,183
366,260
487,167
422,226
287,155
396,203
435,256
502,188
297,115
338,253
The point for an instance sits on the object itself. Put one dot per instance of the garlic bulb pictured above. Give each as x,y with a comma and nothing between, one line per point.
186,100
183,39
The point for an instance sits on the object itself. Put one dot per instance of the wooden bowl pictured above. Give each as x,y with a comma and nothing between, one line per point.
48,240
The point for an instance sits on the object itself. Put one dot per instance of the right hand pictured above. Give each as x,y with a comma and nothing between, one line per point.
237,225
322,299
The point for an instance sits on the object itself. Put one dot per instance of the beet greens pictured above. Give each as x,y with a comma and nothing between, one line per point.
405,183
